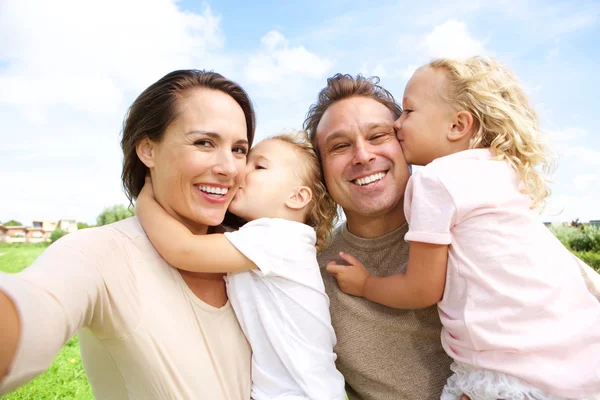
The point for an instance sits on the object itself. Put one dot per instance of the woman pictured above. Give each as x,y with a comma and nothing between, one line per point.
147,330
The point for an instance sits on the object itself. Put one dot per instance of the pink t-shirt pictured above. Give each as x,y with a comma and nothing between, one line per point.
515,300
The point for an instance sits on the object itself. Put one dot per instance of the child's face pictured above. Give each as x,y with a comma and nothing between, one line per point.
270,180
426,120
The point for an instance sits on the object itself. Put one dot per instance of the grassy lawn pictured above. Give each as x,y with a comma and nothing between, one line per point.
65,380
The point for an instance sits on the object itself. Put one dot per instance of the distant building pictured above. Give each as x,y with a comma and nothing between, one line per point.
595,223
39,232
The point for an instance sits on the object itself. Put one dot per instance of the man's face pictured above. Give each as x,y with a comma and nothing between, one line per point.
365,170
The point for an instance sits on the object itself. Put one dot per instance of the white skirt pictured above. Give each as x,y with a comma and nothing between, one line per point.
483,384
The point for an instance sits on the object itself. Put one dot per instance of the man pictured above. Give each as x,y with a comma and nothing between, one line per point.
383,353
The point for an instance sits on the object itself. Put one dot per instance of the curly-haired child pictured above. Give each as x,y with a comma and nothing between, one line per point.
517,317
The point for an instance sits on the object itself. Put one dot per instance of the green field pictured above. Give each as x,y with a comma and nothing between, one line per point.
65,380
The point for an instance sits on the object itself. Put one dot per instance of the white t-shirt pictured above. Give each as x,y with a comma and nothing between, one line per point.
284,312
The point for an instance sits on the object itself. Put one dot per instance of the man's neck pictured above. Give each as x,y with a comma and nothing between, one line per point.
366,226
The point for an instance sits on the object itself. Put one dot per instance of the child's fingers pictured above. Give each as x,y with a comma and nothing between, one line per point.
334,268
350,259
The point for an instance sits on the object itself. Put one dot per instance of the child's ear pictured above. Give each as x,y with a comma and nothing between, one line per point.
145,149
299,198
462,126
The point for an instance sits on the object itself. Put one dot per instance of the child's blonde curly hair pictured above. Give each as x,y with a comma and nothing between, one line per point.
504,119
322,214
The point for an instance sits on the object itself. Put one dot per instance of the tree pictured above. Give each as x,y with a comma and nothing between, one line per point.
57,234
12,222
114,214
83,225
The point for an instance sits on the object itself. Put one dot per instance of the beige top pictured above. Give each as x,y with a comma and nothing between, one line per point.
143,333
383,353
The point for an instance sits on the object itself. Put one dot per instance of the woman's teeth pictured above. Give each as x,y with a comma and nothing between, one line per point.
214,190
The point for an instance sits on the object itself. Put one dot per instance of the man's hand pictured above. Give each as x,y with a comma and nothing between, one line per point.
351,278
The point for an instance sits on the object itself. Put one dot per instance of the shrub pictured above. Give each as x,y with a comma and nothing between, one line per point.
57,234
578,238
583,242
590,258
565,233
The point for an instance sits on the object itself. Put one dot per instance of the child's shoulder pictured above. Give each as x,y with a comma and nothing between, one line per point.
457,167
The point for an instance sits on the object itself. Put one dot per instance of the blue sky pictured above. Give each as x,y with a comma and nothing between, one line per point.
70,68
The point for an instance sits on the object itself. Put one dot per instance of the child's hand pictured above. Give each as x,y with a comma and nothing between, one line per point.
351,278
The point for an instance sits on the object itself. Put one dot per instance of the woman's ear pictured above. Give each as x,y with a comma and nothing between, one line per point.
462,127
299,198
145,151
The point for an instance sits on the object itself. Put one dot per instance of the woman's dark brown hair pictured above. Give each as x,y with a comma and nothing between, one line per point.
156,108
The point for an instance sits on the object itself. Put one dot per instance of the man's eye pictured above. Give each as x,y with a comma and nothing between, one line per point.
381,135
339,146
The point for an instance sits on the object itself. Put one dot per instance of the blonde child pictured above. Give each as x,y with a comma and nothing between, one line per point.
517,316
273,281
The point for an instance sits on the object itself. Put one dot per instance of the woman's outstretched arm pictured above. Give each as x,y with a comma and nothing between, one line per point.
65,289
10,333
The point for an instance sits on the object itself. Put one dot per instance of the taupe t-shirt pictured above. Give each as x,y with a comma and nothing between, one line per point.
383,353
144,334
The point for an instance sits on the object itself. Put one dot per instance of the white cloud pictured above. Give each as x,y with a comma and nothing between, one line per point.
451,39
277,61
88,55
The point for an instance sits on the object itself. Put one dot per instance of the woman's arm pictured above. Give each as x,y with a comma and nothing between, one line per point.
180,247
43,306
421,286
10,333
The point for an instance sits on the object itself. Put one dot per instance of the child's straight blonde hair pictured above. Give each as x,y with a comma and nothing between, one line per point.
322,213
504,119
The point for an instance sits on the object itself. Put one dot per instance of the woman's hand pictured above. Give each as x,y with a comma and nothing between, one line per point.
351,278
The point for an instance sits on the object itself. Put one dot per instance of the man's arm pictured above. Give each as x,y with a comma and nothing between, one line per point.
180,247
421,286
591,277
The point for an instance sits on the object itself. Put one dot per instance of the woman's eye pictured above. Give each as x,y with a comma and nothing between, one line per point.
240,150
260,167
203,143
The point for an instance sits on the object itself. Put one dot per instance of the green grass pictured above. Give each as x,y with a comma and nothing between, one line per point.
16,257
65,379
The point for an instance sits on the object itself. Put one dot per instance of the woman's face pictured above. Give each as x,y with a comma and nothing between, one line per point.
199,164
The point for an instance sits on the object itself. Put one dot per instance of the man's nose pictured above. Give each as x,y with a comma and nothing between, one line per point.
398,128
363,153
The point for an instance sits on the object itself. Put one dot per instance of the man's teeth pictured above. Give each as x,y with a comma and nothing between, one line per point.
369,179
214,190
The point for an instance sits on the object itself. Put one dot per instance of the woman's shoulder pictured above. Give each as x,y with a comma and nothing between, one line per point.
97,240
